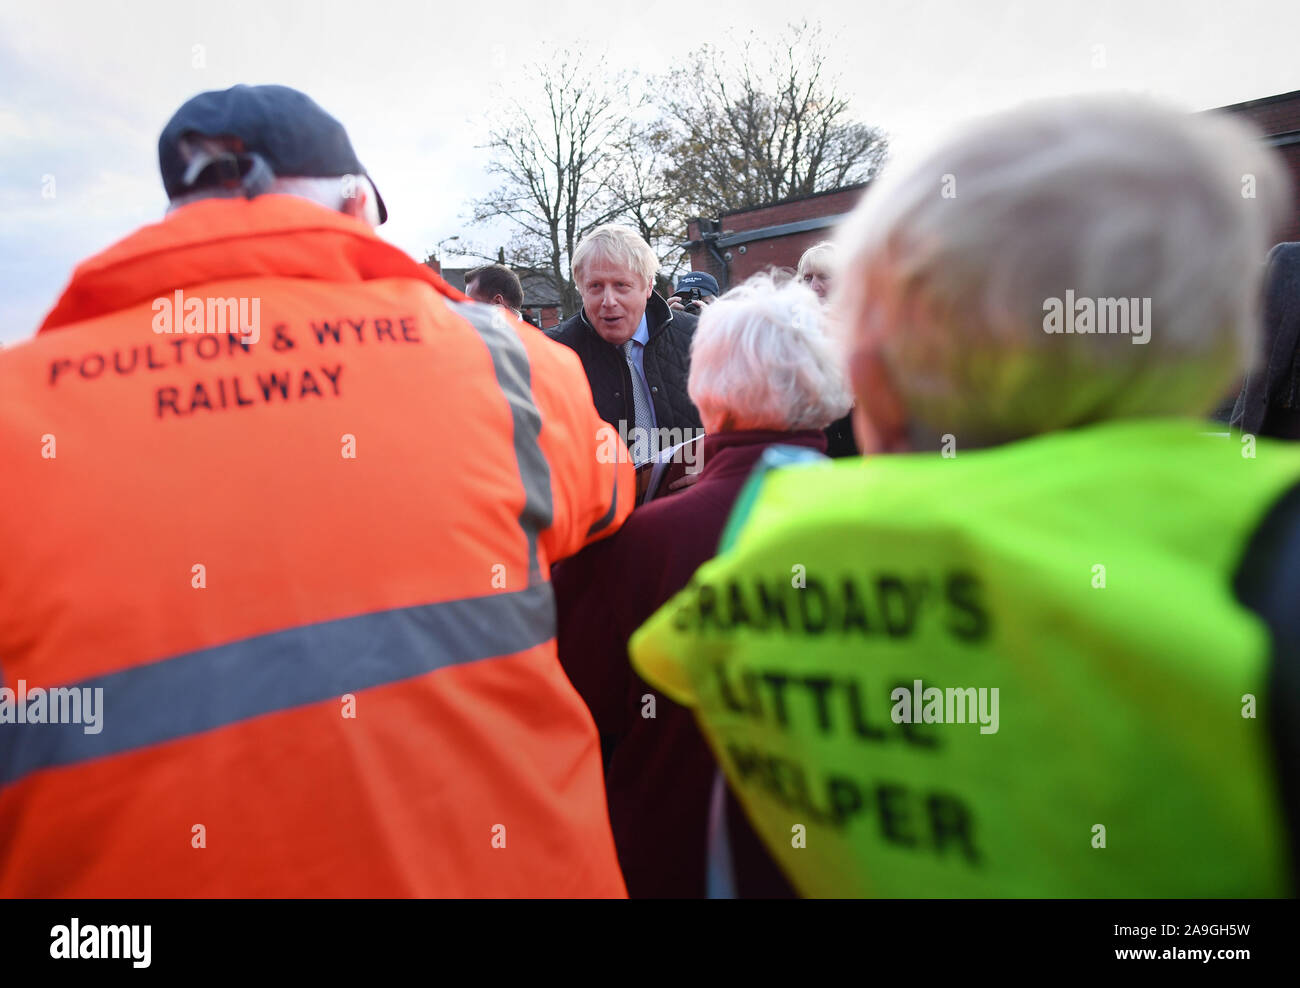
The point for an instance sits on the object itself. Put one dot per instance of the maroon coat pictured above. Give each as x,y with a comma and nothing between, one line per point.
659,771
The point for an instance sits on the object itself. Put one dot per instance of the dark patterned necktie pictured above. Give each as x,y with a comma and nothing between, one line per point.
643,447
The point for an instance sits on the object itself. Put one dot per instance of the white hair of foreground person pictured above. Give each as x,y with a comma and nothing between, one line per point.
951,269
330,192
760,359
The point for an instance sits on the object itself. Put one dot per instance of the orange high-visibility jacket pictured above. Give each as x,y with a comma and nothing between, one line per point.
288,598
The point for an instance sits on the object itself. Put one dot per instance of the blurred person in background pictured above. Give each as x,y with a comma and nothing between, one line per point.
763,374
817,270
634,347
1269,401
1051,649
495,284
695,289
279,672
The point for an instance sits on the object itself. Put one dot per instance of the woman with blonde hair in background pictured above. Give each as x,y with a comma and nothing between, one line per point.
817,268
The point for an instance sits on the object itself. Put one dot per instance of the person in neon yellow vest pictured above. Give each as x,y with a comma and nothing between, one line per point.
1048,645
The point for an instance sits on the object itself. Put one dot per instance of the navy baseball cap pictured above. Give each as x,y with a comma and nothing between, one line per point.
286,129
702,280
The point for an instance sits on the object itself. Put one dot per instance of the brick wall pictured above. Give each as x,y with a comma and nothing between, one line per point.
792,210
779,252
782,251
1275,115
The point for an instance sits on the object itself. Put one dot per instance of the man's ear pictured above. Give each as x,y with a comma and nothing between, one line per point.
880,417
355,197
499,299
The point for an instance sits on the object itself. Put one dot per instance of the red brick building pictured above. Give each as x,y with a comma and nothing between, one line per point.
741,243
1279,118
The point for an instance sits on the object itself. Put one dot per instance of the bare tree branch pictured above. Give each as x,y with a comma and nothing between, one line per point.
766,125
557,160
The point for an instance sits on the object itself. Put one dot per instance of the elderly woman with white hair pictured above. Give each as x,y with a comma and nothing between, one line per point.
1052,619
763,373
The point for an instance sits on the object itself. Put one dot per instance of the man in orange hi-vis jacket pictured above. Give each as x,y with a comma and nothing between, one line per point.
276,522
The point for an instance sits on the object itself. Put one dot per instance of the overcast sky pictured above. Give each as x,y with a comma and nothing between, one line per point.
85,88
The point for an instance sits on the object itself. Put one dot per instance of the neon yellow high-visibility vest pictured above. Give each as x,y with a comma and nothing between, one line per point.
1014,672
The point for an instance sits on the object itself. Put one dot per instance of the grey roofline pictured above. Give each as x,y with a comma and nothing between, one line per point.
768,232
1261,101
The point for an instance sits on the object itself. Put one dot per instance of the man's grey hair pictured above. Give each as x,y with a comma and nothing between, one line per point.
620,245
331,192
950,266
760,359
